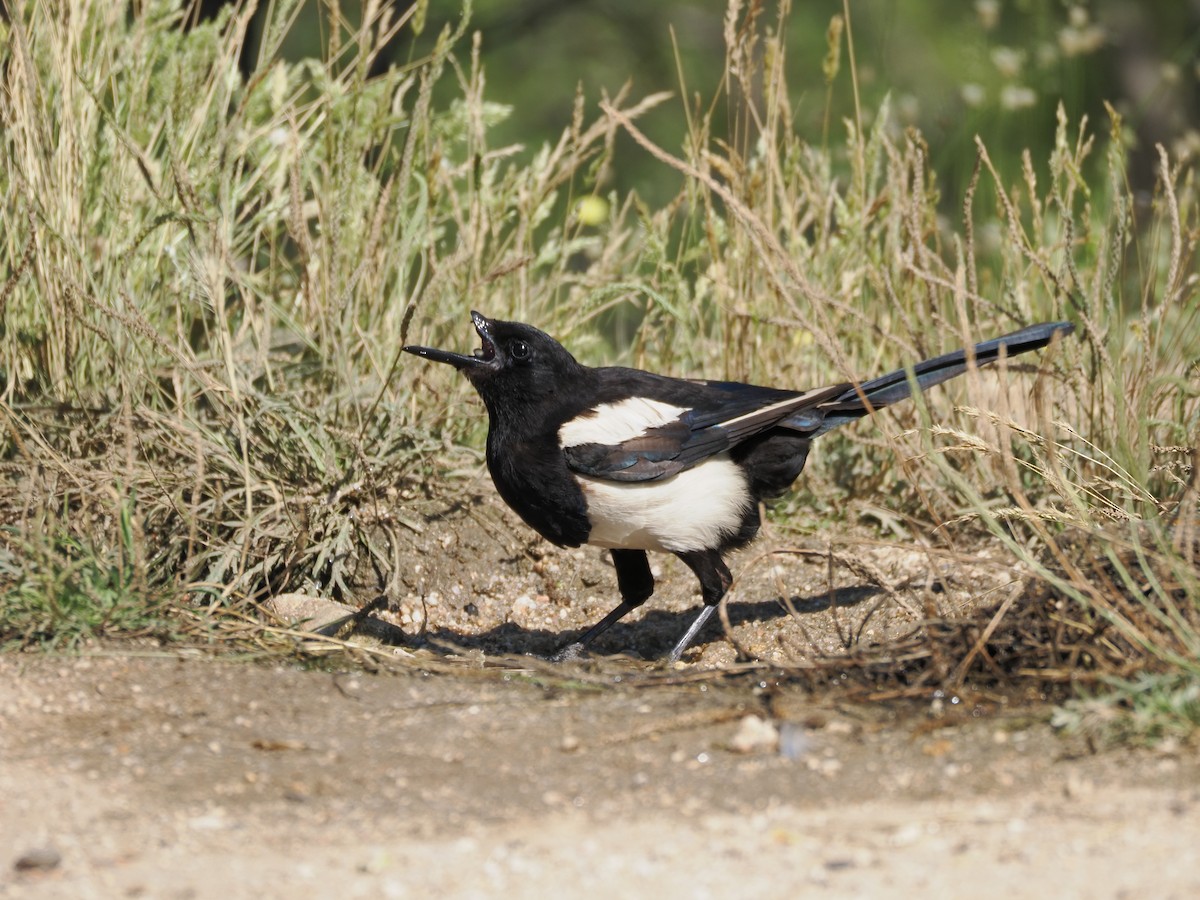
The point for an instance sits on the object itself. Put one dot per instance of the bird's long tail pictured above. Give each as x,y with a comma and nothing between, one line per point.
894,386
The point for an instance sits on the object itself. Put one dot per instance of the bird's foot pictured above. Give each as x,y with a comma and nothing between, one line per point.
569,653
690,635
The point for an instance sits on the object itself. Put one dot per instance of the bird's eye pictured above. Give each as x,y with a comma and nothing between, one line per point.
518,350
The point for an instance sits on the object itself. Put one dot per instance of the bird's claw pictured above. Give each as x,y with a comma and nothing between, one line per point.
569,653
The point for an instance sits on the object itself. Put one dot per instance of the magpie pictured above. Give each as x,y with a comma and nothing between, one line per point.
633,461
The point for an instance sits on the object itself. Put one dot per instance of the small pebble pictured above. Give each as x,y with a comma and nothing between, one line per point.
40,859
794,741
754,734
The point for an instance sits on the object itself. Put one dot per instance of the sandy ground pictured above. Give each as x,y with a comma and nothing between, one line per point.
198,778
158,773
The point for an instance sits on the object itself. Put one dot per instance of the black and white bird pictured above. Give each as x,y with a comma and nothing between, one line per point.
634,461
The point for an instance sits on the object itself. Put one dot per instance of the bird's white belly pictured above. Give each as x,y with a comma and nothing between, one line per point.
693,510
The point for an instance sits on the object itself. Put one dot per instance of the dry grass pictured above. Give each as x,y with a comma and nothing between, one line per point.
207,282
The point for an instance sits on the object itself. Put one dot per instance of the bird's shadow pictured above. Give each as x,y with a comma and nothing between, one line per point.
650,637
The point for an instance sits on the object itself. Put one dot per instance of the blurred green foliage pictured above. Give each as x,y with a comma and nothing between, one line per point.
994,68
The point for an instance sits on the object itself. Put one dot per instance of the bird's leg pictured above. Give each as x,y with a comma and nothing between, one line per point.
715,580
636,585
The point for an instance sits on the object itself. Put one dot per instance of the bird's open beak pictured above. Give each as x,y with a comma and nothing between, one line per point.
481,357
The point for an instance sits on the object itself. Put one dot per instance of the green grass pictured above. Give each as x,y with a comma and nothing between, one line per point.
1150,709
63,591
207,282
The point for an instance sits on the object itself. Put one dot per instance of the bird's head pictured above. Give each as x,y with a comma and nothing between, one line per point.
516,363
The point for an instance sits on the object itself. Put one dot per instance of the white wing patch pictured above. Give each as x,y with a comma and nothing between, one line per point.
693,510
614,423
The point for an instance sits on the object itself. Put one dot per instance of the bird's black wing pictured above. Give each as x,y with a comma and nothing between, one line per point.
682,424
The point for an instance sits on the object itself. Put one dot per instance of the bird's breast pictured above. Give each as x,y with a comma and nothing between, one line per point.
534,481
